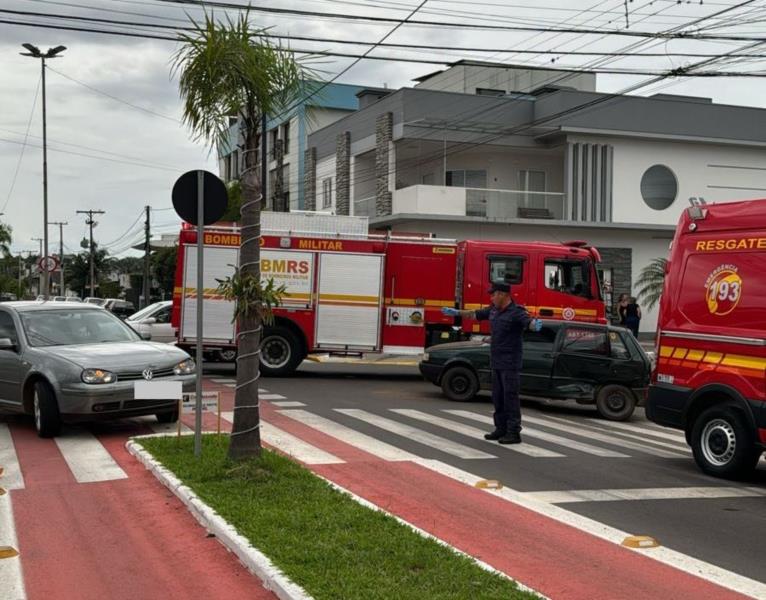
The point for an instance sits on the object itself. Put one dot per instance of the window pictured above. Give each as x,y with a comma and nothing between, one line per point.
469,179
273,137
659,187
540,341
584,340
619,349
489,92
327,192
7,328
532,181
163,316
568,277
508,269
286,137
66,328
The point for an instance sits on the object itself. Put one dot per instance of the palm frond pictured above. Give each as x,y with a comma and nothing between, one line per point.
651,281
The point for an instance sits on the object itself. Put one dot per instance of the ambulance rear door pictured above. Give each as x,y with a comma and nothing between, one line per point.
349,307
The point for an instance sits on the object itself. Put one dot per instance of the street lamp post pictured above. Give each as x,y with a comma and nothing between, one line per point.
34,52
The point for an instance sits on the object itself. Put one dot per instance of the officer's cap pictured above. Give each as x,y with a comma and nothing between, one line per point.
499,286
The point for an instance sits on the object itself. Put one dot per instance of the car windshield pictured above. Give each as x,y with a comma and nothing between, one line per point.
74,327
144,312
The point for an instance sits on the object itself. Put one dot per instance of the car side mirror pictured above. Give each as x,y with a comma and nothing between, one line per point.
7,344
146,336
149,321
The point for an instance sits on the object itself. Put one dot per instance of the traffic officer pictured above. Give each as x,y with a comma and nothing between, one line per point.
507,321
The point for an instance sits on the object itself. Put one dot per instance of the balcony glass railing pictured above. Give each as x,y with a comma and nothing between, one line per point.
513,204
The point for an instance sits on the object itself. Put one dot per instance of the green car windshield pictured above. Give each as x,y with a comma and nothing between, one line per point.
74,327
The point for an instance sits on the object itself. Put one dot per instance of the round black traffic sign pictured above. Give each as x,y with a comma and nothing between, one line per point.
185,197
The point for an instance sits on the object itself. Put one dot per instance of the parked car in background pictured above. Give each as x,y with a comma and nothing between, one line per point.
7,297
154,322
588,363
96,301
71,362
121,308
66,299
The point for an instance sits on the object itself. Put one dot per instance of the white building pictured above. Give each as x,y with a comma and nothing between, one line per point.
498,158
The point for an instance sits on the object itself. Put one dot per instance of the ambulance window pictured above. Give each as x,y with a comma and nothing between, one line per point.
567,277
582,340
508,269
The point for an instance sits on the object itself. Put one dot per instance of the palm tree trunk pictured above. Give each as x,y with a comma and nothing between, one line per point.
246,434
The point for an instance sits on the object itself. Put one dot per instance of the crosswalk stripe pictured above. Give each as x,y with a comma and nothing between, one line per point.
548,437
11,577
87,458
350,436
417,435
594,435
671,493
676,447
670,434
475,432
289,404
271,397
12,478
227,380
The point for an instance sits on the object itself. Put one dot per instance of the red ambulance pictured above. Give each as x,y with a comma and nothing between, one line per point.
353,292
710,378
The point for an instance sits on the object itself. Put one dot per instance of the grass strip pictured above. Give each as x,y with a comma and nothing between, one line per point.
320,538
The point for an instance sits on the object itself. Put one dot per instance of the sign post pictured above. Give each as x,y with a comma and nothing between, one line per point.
200,198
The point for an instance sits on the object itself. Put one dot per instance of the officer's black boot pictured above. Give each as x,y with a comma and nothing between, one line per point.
510,438
495,435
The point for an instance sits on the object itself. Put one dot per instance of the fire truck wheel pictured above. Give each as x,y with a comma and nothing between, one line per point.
460,384
722,443
280,352
615,403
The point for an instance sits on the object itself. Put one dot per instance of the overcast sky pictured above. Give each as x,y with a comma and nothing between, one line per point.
104,154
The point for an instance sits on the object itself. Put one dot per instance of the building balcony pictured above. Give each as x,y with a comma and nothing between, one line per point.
470,202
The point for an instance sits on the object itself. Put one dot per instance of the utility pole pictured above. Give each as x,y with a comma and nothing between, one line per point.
90,222
62,289
34,52
40,280
147,254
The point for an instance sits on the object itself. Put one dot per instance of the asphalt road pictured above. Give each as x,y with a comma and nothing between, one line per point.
598,461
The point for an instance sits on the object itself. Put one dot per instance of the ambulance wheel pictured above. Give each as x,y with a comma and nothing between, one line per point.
460,384
615,403
281,352
723,444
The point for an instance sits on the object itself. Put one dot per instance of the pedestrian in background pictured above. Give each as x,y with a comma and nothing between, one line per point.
632,316
507,321
622,304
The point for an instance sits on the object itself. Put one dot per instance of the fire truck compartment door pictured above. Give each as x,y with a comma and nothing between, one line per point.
217,312
349,306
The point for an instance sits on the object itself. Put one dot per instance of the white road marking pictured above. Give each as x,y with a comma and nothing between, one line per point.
675,436
11,577
689,564
87,458
289,404
681,448
544,435
227,380
673,493
608,439
475,433
12,478
417,435
350,436
271,397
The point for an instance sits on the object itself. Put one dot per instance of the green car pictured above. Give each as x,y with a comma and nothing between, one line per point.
584,362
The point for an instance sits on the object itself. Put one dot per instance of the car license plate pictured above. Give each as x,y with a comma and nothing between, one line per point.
158,390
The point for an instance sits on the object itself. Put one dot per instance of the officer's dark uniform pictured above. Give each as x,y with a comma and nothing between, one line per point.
507,327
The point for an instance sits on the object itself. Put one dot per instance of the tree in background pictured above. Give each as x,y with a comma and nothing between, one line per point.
231,68
235,202
164,267
5,239
650,282
78,271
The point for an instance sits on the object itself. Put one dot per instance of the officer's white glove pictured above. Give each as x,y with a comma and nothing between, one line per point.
536,325
450,312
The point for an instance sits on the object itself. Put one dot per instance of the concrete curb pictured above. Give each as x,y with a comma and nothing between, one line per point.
255,561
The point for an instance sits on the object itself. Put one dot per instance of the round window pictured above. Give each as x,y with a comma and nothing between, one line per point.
659,187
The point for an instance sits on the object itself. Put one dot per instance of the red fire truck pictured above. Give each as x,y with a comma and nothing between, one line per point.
710,378
352,292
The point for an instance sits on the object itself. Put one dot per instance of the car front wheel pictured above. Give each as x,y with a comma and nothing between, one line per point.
167,417
723,444
460,384
46,411
615,403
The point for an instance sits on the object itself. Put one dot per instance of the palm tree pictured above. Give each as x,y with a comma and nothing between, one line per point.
230,68
651,281
5,239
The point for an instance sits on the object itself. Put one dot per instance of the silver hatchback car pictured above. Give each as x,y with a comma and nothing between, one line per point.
71,362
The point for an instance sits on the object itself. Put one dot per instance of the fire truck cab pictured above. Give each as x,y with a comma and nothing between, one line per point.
710,378
352,292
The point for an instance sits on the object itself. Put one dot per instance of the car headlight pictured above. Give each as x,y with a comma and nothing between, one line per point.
98,376
186,367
